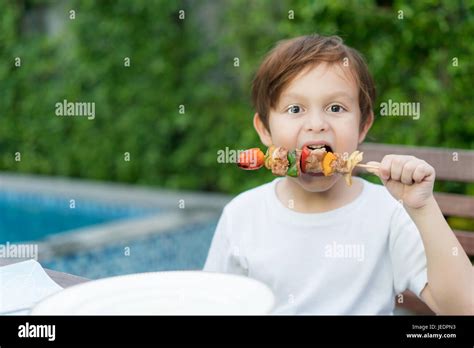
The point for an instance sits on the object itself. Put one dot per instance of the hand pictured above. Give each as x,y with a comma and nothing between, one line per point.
407,178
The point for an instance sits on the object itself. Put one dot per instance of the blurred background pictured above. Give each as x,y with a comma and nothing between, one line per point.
185,93
190,62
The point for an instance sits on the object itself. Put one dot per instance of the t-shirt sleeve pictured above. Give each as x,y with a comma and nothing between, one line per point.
407,254
224,254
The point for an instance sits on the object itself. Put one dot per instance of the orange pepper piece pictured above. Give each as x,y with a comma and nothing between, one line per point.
327,160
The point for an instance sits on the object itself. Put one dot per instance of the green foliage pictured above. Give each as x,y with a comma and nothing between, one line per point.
191,62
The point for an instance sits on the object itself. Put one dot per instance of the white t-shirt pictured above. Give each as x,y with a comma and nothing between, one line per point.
350,260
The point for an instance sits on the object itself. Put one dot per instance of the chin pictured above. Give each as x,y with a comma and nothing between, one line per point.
315,183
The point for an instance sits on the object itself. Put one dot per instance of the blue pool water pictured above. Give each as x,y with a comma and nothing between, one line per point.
31,216
182,249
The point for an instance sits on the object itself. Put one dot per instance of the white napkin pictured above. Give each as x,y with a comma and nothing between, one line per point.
22,285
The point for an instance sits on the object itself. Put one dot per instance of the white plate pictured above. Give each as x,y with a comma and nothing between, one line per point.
162,293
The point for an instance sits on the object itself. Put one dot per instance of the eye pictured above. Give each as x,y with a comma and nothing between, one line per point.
336,108
294,109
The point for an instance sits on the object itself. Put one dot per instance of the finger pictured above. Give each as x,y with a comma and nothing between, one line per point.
396,169
385,166
422,171
408,171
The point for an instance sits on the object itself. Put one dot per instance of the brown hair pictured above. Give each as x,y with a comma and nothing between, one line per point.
289,57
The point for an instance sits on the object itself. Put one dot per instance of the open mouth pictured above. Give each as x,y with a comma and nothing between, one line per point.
311,155
321,146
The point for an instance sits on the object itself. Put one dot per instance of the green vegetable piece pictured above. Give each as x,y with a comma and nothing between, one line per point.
293,166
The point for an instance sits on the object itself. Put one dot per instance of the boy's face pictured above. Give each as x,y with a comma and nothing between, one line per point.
320,104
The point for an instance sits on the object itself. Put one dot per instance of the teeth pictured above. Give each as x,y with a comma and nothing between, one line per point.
313,147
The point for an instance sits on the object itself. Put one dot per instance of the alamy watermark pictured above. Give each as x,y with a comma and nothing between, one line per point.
345,251
20,251
28,330
84,109
391,108
228,155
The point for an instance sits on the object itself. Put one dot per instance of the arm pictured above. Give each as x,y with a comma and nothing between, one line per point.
450,288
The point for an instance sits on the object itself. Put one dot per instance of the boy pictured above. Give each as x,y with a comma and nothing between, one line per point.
324,247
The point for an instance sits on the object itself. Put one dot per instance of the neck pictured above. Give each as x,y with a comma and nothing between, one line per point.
316,202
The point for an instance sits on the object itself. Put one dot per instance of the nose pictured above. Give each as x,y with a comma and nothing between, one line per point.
316,122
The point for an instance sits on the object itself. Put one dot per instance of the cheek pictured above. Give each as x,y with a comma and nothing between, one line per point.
284,131
347,133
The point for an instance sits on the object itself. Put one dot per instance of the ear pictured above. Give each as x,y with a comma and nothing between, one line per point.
365,129
263,133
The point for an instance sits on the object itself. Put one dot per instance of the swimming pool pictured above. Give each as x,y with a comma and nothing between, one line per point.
112,229
179,249
27,216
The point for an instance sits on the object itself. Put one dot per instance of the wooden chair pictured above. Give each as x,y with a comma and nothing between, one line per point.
450,164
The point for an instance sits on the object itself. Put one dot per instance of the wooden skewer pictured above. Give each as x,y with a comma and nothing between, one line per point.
367,166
